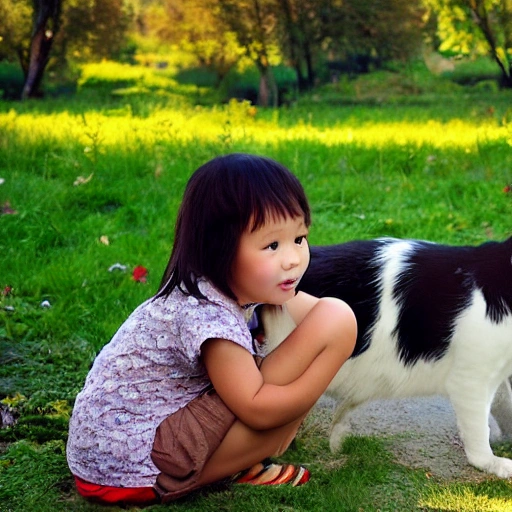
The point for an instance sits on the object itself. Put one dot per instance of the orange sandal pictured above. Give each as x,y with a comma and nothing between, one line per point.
270,473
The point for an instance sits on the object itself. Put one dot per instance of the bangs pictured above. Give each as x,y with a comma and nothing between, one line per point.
263,211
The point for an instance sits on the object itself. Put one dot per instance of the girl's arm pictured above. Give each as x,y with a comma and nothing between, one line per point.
294,375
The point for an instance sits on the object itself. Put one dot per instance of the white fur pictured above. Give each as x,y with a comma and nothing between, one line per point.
473,371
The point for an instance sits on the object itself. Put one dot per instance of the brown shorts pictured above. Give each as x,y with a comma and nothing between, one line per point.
185,441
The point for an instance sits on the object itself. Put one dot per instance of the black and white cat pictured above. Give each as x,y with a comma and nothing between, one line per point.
432,320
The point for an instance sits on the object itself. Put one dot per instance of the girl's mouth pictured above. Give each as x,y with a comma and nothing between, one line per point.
288,284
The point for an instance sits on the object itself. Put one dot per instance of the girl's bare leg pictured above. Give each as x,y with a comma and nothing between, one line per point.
313,359
243,447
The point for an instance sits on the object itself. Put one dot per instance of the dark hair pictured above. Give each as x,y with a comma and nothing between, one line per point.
221,198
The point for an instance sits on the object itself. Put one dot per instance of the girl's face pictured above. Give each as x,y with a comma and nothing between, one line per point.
270,261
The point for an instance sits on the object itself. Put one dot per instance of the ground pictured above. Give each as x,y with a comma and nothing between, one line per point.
422,433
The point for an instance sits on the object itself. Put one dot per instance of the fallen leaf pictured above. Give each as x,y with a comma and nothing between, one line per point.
81,180
104,240
6,209
140,274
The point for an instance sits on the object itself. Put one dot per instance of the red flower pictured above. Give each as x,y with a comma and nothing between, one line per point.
507,189
7,291
140,274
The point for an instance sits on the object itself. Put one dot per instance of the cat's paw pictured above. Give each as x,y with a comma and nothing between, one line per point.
499,466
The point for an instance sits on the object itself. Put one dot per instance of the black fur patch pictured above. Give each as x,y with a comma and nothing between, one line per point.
432,291
435,286
350,272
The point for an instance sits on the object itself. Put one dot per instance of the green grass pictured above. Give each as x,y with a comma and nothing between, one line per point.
375,160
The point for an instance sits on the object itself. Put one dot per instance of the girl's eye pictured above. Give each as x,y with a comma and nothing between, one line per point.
273,246
300,239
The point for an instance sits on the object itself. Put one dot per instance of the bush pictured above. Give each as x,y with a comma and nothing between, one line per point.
244,85
202,77
11,81
470,72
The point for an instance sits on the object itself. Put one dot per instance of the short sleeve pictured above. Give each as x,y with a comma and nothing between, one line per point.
203,320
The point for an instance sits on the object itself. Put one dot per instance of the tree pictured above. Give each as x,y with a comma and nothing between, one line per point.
41,32
209,41
301,37
473,26
305,31
383,29
254,22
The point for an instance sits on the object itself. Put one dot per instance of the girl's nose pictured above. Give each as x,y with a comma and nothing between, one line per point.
291,259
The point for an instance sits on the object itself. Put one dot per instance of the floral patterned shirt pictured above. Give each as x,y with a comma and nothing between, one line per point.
151,368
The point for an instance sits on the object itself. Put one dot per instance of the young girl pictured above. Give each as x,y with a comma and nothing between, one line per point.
178,399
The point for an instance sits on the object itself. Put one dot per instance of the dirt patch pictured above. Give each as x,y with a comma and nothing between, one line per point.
421,432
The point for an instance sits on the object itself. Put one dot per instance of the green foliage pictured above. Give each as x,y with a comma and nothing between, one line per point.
386,30
91,30
15,25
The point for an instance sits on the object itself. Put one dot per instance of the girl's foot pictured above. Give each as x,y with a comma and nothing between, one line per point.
271,473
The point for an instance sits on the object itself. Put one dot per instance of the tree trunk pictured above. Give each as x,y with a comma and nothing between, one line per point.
263,92
46,23
268,91
309,66
294,46
39,55
302,81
